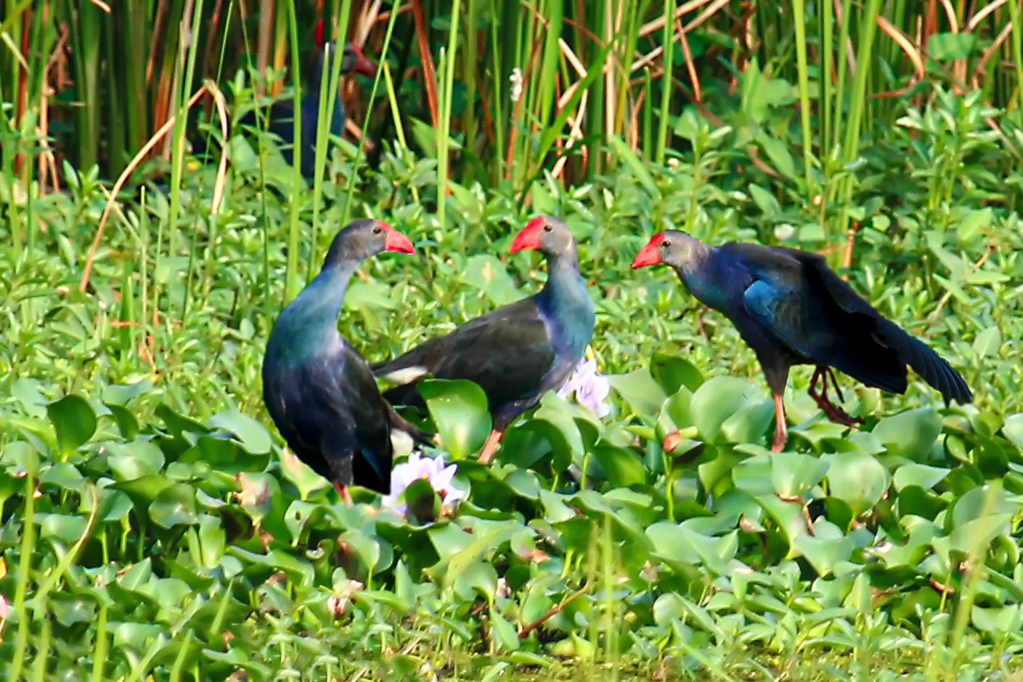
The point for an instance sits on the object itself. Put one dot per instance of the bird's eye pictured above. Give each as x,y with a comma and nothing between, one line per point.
378,230
547,228
665,244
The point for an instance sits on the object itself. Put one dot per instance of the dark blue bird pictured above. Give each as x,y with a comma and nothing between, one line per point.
282,112
517,352
792,309
319,391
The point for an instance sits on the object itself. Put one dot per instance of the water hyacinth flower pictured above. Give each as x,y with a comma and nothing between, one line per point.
431,469
590,387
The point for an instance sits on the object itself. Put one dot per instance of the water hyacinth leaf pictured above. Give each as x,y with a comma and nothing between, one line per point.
261,566
178,424
1013,429
422,502
449,540
671,372
366,548
920,475
173,506
857,479
788,517
212,541
557,411
909,434
639,390
794,475
716,400
143,490
979,502
749,423
63,527
503,632
127,424
488,274
254,437
63,475
622,468
480,577
826,548
489,540
752,475
121,394
74,422
459,409
134,459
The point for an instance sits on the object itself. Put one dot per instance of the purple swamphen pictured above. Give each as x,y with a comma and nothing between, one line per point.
517,352
282,112
319,391
792,309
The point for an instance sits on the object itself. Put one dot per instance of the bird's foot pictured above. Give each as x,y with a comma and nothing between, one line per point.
837,414
830,409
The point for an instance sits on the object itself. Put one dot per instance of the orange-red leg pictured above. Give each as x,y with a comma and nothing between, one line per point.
781,427
490,447
343,492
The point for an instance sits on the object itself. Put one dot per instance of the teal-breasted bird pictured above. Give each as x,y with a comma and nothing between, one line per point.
517,352
792,309
319,391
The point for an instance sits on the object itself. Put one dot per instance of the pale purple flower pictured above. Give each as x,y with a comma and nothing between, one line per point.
5,609
590,387
418,467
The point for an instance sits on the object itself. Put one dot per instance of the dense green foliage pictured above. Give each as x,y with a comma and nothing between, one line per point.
168,535
152,527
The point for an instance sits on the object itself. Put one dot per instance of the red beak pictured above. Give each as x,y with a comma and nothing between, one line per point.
650,255
529,237
396,241
363,66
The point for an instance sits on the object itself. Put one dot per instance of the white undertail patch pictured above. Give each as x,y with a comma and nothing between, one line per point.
405,375
401,443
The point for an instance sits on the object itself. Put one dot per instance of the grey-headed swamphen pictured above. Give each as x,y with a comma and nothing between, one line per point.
517,352
319,391
792,309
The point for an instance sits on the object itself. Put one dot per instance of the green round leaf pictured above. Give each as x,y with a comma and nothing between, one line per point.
622,467
718,399
918,474
174,506
74,421
909,434
671,372
253,436
856,478
459,409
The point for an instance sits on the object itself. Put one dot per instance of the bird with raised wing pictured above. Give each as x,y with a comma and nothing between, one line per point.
792,309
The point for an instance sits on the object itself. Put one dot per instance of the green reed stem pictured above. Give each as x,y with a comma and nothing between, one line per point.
448,60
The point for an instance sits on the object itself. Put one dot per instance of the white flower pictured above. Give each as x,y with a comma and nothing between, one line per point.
429,469
5,609
590,387
516,84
